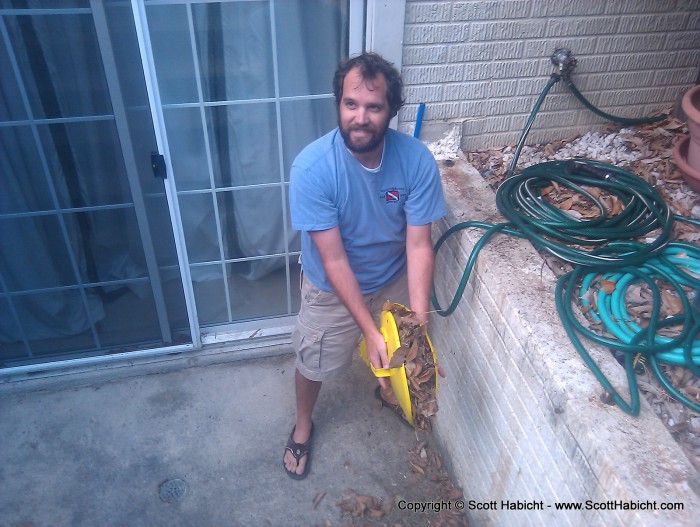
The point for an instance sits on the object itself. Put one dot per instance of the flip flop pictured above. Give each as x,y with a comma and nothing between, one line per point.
395,408
299,450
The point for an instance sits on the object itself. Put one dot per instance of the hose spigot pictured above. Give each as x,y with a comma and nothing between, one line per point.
563,61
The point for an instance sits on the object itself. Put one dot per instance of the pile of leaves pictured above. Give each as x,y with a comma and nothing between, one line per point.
416,355
424,460
645,150
359,505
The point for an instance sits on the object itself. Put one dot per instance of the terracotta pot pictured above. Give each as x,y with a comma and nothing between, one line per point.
691,108
680,156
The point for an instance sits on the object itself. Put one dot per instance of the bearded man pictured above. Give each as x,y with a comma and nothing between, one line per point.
364,197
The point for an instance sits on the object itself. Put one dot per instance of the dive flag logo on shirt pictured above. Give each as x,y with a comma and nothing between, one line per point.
391,196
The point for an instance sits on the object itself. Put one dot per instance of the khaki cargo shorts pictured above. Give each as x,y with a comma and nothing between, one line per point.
326,336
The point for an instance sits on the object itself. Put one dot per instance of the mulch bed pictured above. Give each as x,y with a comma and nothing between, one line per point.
645,150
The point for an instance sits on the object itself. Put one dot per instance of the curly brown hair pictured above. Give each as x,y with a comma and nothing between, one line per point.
370,65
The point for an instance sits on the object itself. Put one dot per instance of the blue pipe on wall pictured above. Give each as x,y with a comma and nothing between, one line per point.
419,119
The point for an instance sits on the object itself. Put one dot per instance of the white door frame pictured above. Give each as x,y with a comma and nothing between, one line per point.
385,27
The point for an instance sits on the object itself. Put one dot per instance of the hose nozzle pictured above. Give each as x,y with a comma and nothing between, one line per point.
564,61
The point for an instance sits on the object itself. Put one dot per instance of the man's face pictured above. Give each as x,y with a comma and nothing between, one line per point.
363,113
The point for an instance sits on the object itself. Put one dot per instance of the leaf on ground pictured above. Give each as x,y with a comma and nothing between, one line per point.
693,391
416,467
671,302
635,294
593,191
455,494
607,285
567,203
317,499
358,505
617,206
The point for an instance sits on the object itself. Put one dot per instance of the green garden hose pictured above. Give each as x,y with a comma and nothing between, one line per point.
602,250
520,200
553,79
603,297
614,118
565,76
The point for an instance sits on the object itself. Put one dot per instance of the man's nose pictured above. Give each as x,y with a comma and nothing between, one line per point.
361,116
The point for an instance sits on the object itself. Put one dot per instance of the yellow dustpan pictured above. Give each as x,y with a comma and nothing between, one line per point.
397,376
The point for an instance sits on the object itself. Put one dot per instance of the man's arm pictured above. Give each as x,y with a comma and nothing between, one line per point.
340,275
420,261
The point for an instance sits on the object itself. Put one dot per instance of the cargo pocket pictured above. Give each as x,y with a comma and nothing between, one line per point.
307,343
313,296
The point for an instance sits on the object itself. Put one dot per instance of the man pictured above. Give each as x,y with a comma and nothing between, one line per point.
364,197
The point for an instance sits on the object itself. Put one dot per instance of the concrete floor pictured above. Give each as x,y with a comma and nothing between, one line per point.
96,453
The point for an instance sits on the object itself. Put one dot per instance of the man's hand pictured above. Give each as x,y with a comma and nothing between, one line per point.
377,354
335,262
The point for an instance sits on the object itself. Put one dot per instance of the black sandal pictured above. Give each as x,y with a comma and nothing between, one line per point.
299,450
395,408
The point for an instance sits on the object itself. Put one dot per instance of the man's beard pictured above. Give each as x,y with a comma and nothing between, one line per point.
362,148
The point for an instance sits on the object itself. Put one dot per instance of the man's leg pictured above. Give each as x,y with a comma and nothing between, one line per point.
325,339
306,393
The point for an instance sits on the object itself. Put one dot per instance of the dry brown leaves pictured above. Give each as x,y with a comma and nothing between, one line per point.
360,506
683,424
638,302
654,142
417,357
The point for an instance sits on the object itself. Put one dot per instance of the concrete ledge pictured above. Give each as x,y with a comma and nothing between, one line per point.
520,413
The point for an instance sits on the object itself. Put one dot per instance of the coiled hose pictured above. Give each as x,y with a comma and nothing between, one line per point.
677,265
602,250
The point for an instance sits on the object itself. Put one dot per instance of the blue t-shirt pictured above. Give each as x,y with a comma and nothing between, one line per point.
329,187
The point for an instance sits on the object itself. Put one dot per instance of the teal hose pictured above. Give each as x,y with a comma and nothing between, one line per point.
677,267
602,248
614,118
563,299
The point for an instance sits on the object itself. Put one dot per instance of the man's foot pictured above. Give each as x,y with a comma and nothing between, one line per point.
388,400
387,396
297,454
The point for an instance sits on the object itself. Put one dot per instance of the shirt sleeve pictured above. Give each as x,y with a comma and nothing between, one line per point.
425,202
310,201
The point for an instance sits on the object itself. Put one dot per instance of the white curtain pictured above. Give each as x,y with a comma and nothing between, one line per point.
33,249
310,37
61,73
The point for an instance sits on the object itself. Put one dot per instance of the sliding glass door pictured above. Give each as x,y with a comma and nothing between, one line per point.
242,87
84,253
144,158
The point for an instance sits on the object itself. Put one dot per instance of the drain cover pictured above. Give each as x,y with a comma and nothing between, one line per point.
172,490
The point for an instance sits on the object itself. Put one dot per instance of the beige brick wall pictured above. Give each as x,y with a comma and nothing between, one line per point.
480,64
520,413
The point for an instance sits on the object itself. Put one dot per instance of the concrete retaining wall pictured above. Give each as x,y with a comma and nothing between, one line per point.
520,414
479,65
